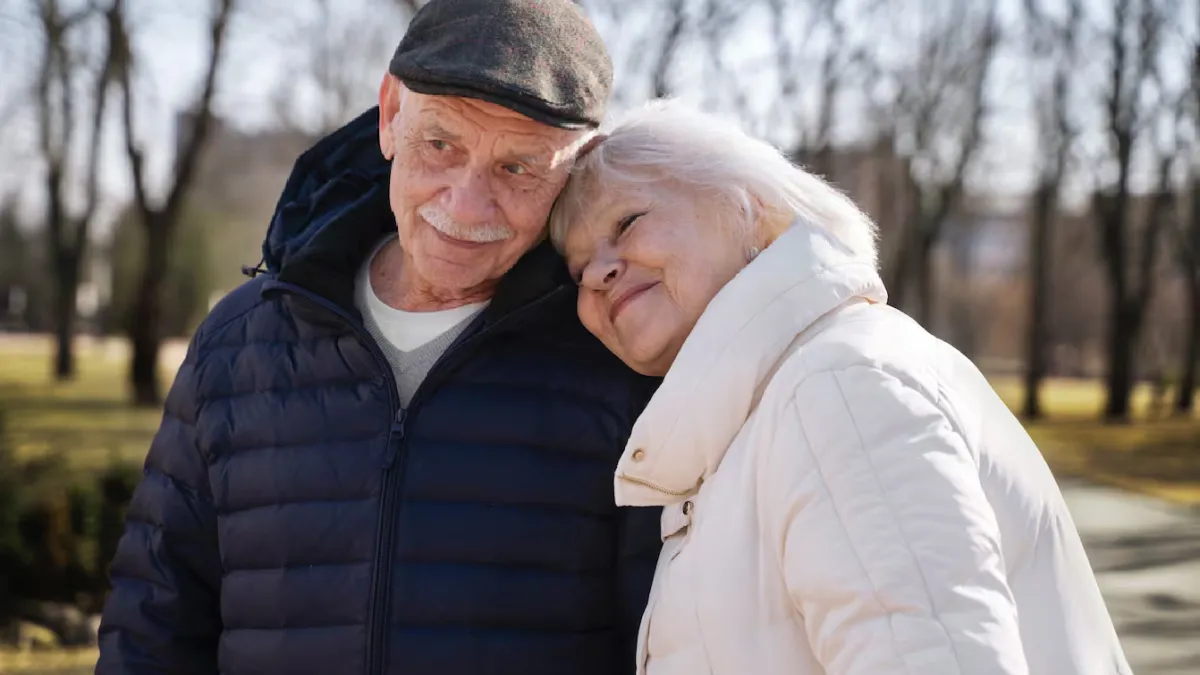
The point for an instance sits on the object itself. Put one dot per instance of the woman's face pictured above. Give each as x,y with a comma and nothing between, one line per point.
648,259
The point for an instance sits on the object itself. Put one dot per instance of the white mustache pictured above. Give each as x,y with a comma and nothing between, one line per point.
443,222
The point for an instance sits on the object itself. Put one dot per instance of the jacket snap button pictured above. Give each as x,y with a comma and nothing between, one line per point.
639,455
687,508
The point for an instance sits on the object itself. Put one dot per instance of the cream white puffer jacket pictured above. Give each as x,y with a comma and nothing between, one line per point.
846,494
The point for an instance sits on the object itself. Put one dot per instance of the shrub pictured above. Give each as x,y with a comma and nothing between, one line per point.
58,530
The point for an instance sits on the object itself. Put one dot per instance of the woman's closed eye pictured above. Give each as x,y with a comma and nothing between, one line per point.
628,222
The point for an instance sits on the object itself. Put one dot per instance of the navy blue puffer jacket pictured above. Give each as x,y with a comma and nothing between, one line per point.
293,520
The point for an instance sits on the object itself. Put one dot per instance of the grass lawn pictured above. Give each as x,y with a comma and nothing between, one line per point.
60,662
87,420
89,423
1160,456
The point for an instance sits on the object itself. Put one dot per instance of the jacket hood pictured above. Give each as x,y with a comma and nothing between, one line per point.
712,387
344,171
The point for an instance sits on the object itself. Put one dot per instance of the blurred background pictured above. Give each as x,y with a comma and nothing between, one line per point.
1034,166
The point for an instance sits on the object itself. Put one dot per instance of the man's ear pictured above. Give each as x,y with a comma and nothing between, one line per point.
390,91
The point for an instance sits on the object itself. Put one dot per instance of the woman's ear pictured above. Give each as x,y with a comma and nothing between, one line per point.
766,224
590,145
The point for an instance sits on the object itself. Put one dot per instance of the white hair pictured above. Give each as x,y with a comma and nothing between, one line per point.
666,140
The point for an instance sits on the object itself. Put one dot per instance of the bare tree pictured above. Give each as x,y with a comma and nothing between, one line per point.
672,34
62,73
1189,262
1188,236
1053,43
648,39
718,22
341,54
821,23
674,30
939,116
1129,253
161,219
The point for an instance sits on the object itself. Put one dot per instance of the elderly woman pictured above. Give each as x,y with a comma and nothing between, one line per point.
844,493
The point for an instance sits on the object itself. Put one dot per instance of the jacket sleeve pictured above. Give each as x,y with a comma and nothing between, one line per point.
639,543
889,547
162,615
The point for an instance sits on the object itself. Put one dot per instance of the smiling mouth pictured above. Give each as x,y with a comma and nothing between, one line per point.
628,296
459,242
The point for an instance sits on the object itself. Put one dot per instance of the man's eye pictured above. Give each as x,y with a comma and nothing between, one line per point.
516,169
439,145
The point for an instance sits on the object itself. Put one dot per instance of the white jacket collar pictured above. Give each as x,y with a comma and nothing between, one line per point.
703,401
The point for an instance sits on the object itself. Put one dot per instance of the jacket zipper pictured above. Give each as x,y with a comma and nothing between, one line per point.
381,598
379,606
654,486
381,586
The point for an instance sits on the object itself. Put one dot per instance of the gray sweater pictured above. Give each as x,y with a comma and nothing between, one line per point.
412,366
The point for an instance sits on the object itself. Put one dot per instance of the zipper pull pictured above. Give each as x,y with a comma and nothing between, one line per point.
397,433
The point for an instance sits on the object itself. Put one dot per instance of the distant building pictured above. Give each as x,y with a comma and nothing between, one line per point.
240,177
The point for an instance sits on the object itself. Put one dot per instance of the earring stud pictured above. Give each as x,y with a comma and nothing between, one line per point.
754,251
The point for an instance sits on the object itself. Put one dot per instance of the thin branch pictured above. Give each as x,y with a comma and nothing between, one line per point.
677,20
100,97
122,50
189,157
189,154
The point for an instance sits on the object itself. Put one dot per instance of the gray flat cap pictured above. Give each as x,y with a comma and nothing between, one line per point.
541,58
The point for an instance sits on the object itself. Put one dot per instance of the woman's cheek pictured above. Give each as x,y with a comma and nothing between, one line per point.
589,313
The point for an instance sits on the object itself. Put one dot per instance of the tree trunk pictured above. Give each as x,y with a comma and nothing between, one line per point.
1037,333
147,315
66,291
898,276
1185,397
905,271
1122,340
923,273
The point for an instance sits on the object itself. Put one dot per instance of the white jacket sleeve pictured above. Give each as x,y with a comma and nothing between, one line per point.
890,550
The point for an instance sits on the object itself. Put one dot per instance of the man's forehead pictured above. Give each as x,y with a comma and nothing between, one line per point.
458,114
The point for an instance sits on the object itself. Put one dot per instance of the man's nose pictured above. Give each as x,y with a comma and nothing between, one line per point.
470,197
603,272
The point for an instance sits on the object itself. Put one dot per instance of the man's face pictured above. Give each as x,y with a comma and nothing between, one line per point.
472,184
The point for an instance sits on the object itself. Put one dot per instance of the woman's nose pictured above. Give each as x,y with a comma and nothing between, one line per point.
602,272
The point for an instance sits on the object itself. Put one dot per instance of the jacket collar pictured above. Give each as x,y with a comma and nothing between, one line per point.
711,389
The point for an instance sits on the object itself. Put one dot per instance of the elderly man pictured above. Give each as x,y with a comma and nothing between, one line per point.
392,451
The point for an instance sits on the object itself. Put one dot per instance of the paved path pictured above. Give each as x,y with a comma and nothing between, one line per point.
1147,559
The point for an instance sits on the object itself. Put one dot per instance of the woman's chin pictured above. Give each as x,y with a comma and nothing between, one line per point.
648,369
646,358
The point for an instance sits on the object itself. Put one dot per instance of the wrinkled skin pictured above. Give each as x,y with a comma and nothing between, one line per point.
471,187
649,258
